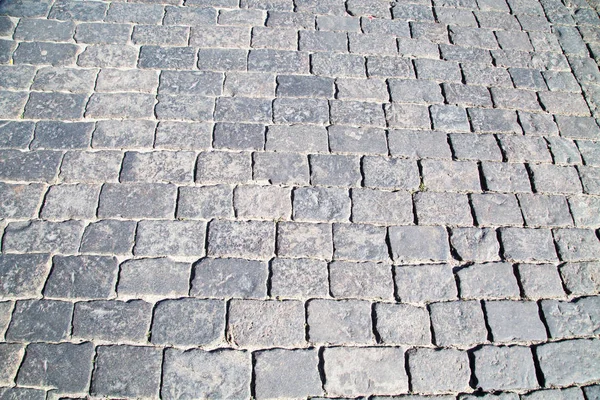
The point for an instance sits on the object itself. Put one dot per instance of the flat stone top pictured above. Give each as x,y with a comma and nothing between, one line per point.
279,199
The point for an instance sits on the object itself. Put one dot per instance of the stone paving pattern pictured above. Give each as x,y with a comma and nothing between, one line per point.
300,199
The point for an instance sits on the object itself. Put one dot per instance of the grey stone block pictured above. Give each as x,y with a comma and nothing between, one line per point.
578,127
504,177
131,200
300,20
418,144
333,7
135,13
434,32
475,147
505,368
262,202
374,90
178,135
190,82
126,371
20,201
12,103
115,80
372,43
495,209
488,281
527,245
241,16
348,139
64,366
109,55
549,178
266,323
222,59
196,372
514,321
525,78
425,283
449,118
55,106
112,320
101,33
16,134
281,168
192,16
40,53
321,204
577,244
590,152
24,9
241,109
466,55
569,362
386,66
473,37
538,124
67,201
205,202
589,179
455,176
369,8
571,319
89,277
6,309
252,84
407,244
40,320
11,354
540,281
335,170
410,116
402,324
374,371
74,10
581,278
494,121
188,322
390,173
542,210
43,236
338,23
154,276
442,209
475,244
62,135
591,392
304,86
357,113
156,57
337,64
21,392
123,134
176,238
120,105
573,393
22,274
564,103
564,151
297,138
229,277
312,111
280,61
299,378
160,35
223,167
339,322
439,371
247,239
361,280
458,323
381,207
415,91
323,41
41,165
108,237
525,148
19,78
299,278
281,5
158,166
296,239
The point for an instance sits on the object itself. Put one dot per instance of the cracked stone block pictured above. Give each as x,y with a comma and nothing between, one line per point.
132,200
299,278
108,237
40,320
475,244
504,177
571,319
16,134
188,322
321,204
451,175
442,208
475,147
20,201
154,276
262,202
527,245
205,202
375,370
175,238
360,242
296,239
229,277
402,324
71,201
425,283
381,207
577,244
505,368
178,135
118,134
238,136
514,321
196,372
458,323
335,170
297,138
419,244
126,371
22,274
581,278
541,210
287,373
91,167
439,371
40,165
390,173
247,239
540,281
361,280
488,281
266,323
11,355
339,322
223,167
496,209
281,168
112,320
569,362
64,366
43,236
89,277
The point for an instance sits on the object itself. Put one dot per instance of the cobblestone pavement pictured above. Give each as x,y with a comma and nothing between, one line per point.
300,199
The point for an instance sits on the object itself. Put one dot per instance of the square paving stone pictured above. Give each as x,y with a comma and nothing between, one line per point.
188,322
581,278
504,177
91,167
158,166
247,239
573,393
361,280
299,278
419,244
488,281
425,283
475,244
108,237
238,136
381,207
170,238
22,274
16,134
347,139
223,167
335,170
263,202
514,321
297,138
577,244
451,176
505,368
126,371
180,135
541,210
154,276
496,209
229,277
89,277
339,322
390,173
287,373
112,320
119,134
220,374
527,245
297,239
540,281
71,201
205,202
255,323
40,165
64,366
402,324
360,242
321,204
62,135
281,168
442,208
439,371
571,319
40,320
458,323
569,362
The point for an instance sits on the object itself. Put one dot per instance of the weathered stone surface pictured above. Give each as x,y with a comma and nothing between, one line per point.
425,283
229,277
262,202
505,368
540,281
475,244
339,322
577,244
442,208
223,167
89,277
572,319
381,207
40,320
176,238
569,362
11,354
408,244
299,278
108,237
248,239
90,167
361,280
514,321
22,274
296,239
458,323
43,236
439,371
130,200
540,210
154,276
359,242
71,201
123,134
527,245
321,204
488,281
281,168
205,202
581,278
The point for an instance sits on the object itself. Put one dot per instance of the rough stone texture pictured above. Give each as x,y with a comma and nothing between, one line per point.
505,368
299,278
229,277
581,278
89,277
458,323
252,239
541,281
572,319
360,280
425,283
177,238
527,244
296,239
402,324
474,244
569,362
514,321
22,274
439,371
339,322
359,242
153,276
407,246
488,281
